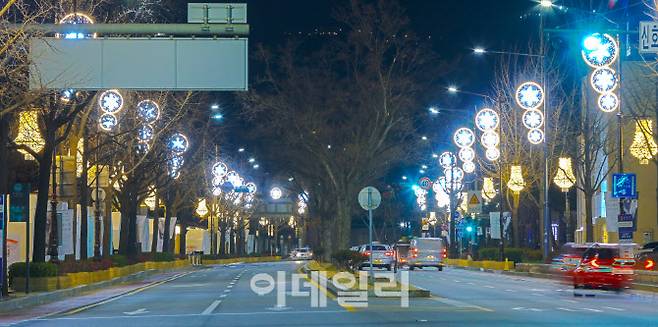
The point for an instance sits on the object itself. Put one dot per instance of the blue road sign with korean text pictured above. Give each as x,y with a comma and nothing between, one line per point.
624,186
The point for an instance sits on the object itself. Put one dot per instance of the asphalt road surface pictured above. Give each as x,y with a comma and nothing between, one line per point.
223,296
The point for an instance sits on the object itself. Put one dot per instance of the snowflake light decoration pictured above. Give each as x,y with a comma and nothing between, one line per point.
529,95
490,139
218,181
454,174
600,50
219,169
251,187
468,167
142,148
73,19
447,159
608,102
148,111
145,133
107,122
110,101
464,137
178,143
533,118
176,162
487,120
492,154
604,80
535,136
466,154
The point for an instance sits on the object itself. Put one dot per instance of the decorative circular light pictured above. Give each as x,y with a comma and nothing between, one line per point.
238,182
178,143
218,181
174,174
107,122
421,200
219,169
608,102
529,95
600,50
148,111
145,133
419,192
276,193
439,185
464,137
142,147
487,119
73,19
466,154
535,136
233,177
216,191
533,118
604,80
251,187
468,167
490,139
110,101
447,159
454,174
492,154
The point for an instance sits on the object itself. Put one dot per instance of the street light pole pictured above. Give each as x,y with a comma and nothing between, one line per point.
547,211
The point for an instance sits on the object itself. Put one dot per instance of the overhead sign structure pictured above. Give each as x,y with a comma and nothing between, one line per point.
648,34
624,186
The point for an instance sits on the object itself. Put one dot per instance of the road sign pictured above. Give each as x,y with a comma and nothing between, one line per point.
101,194
369,198
474,201
626,223
648,34
20,202
626,237
624,186
425,183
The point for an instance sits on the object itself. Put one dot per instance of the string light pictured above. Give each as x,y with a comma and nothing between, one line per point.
488,189
564,178
28,133
516,182
644,147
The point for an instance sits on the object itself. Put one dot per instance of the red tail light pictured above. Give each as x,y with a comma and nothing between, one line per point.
649,264
366,253
445,253
389,253
414,252
594,263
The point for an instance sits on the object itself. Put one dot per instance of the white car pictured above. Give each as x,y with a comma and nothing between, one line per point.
426,252
301,254
382,256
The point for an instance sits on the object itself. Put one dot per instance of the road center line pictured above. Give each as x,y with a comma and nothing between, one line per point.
211,307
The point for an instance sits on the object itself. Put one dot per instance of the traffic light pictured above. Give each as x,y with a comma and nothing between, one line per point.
469,229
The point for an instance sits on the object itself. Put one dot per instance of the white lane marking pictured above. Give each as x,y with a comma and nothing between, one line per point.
571,301
566,309
223,295
458,281
136,312
459,304
441,278
527,309
333,312
211,307
229,286
471,283
536,294
488,286
537,290
615,309
226,291
508,290
593,310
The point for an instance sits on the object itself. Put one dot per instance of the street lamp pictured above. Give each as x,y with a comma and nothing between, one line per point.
546,3
276,193
565,179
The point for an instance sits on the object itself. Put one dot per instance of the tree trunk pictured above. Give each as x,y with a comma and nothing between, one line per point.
589,228
40,215
84,201
515,220
167,225
343,225
127,242
222,238
182,245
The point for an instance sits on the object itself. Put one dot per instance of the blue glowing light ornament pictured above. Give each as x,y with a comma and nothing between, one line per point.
219,169
487,119
142,148
468,167
447,159
535,136
145,133
490,139
604,80
600,50
176,162
107,122
67,95
218,181
251,187
454,174
178,143
608,102
533,119
492,154
466,154
233,177
464,137
110,101
529,95
148,111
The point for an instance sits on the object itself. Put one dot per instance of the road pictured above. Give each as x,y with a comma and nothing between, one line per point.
222,295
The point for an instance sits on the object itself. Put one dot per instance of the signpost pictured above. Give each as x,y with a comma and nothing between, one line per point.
648,34
626,225
624,186
425,183
369,199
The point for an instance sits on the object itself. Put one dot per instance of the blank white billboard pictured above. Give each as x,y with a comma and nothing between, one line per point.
140,64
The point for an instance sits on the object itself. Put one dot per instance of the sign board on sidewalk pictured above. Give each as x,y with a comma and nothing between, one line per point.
369,198
648,33
624,186
20,202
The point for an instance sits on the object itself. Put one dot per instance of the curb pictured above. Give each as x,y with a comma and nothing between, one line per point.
37,299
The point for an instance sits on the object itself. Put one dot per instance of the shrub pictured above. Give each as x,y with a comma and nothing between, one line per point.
512,254
37,269
119,260
163,256
347,259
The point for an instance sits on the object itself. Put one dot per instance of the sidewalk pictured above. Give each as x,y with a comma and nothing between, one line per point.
32,306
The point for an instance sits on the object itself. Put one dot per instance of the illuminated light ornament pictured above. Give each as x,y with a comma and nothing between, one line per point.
145,133
174,173
466,154
564,178
178,143
423,208
29,133
176,162
447,159
202,208
533,118
516,182
276,193
442,199
488,189
110,101
107,122
529,95
142,148
218,181
604,80
439,185
454,174
468,167
464,137
216,191
67,95
600,50
419,192
73,19
644,147
251,187
148,111
421,201
150,198
487,120
79,168
219,169
237,199
535,136
232,176
490,139
492,154
608,102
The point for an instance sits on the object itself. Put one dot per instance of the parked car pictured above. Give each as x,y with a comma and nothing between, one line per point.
604,266
382,256
301,254
426,252
647,257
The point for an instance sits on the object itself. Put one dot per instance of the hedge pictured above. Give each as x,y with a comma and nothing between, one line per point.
512,254
37,269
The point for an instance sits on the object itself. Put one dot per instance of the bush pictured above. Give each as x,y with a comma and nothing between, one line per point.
163,256
347,259
119,260
37,269
512,254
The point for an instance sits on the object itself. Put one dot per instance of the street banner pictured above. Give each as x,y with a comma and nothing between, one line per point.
172,228
161,222
143,233
494,222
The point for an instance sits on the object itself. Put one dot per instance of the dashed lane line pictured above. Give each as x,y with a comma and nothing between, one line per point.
211,307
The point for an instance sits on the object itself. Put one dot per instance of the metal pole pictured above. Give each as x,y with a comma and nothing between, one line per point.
5,223
27,253
500,212
97,208
370,230
620,130
547,211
